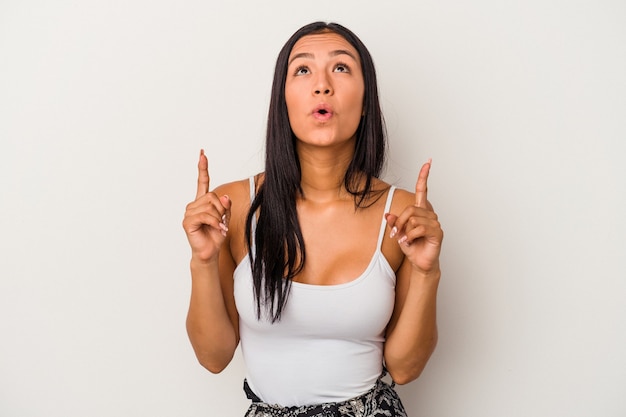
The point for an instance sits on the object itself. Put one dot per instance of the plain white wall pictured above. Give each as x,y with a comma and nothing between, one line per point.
104,105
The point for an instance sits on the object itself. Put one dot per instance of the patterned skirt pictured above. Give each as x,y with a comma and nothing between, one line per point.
381,400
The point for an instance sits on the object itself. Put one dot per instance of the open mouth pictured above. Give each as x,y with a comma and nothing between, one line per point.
323,112
323,115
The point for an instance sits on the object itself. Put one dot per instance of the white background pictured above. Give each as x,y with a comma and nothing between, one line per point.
105,104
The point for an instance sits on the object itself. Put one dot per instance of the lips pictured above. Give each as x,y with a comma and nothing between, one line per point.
322,112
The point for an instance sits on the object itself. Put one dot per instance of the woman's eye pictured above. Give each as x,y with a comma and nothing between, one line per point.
342,68
302,71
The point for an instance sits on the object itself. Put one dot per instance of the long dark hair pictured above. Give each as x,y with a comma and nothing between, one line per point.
279,253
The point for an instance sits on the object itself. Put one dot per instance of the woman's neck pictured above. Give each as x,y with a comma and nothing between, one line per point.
323,171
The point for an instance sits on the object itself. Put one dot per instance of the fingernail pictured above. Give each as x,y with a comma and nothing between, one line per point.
394,231
402,240
224,227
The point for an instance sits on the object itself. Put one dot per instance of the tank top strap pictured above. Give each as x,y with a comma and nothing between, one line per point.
252,189
383,224
253,224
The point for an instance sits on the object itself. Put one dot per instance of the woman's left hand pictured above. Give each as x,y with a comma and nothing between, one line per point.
417,228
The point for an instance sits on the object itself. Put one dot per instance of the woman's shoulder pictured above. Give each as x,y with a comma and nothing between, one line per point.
239,193
401,197
233,188
400,200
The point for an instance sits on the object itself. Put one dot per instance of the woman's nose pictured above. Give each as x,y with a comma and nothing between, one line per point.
322,86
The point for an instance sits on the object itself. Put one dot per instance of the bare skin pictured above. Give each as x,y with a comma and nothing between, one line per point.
215,221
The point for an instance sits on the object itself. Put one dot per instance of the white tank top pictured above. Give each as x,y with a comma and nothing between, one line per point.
328,345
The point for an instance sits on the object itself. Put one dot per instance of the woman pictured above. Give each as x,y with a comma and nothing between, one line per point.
326,274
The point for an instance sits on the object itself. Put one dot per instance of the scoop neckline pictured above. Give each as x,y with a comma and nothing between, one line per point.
320,287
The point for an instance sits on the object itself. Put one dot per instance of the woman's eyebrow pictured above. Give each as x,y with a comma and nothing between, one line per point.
343,52
301,55
334,53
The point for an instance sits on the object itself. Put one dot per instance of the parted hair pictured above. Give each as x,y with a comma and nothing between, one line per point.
278,253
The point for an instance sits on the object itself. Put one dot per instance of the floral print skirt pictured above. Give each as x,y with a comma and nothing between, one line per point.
381,400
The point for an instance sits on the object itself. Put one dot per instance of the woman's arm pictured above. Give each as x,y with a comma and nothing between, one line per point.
412,330
212,321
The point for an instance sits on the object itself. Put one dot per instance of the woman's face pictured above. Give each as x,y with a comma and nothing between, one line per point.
324,90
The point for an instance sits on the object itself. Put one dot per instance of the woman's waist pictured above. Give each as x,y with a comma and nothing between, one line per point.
307,377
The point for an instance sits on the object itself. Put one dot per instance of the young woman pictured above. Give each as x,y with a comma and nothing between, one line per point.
327,275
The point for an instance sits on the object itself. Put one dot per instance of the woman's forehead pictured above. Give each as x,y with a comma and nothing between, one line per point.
321,43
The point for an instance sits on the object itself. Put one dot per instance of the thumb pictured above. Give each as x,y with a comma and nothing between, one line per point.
225,200
391,219
226,203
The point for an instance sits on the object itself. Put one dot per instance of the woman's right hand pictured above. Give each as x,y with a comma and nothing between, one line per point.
206,218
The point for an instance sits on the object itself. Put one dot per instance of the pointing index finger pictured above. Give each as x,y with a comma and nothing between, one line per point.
421,187
203,175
